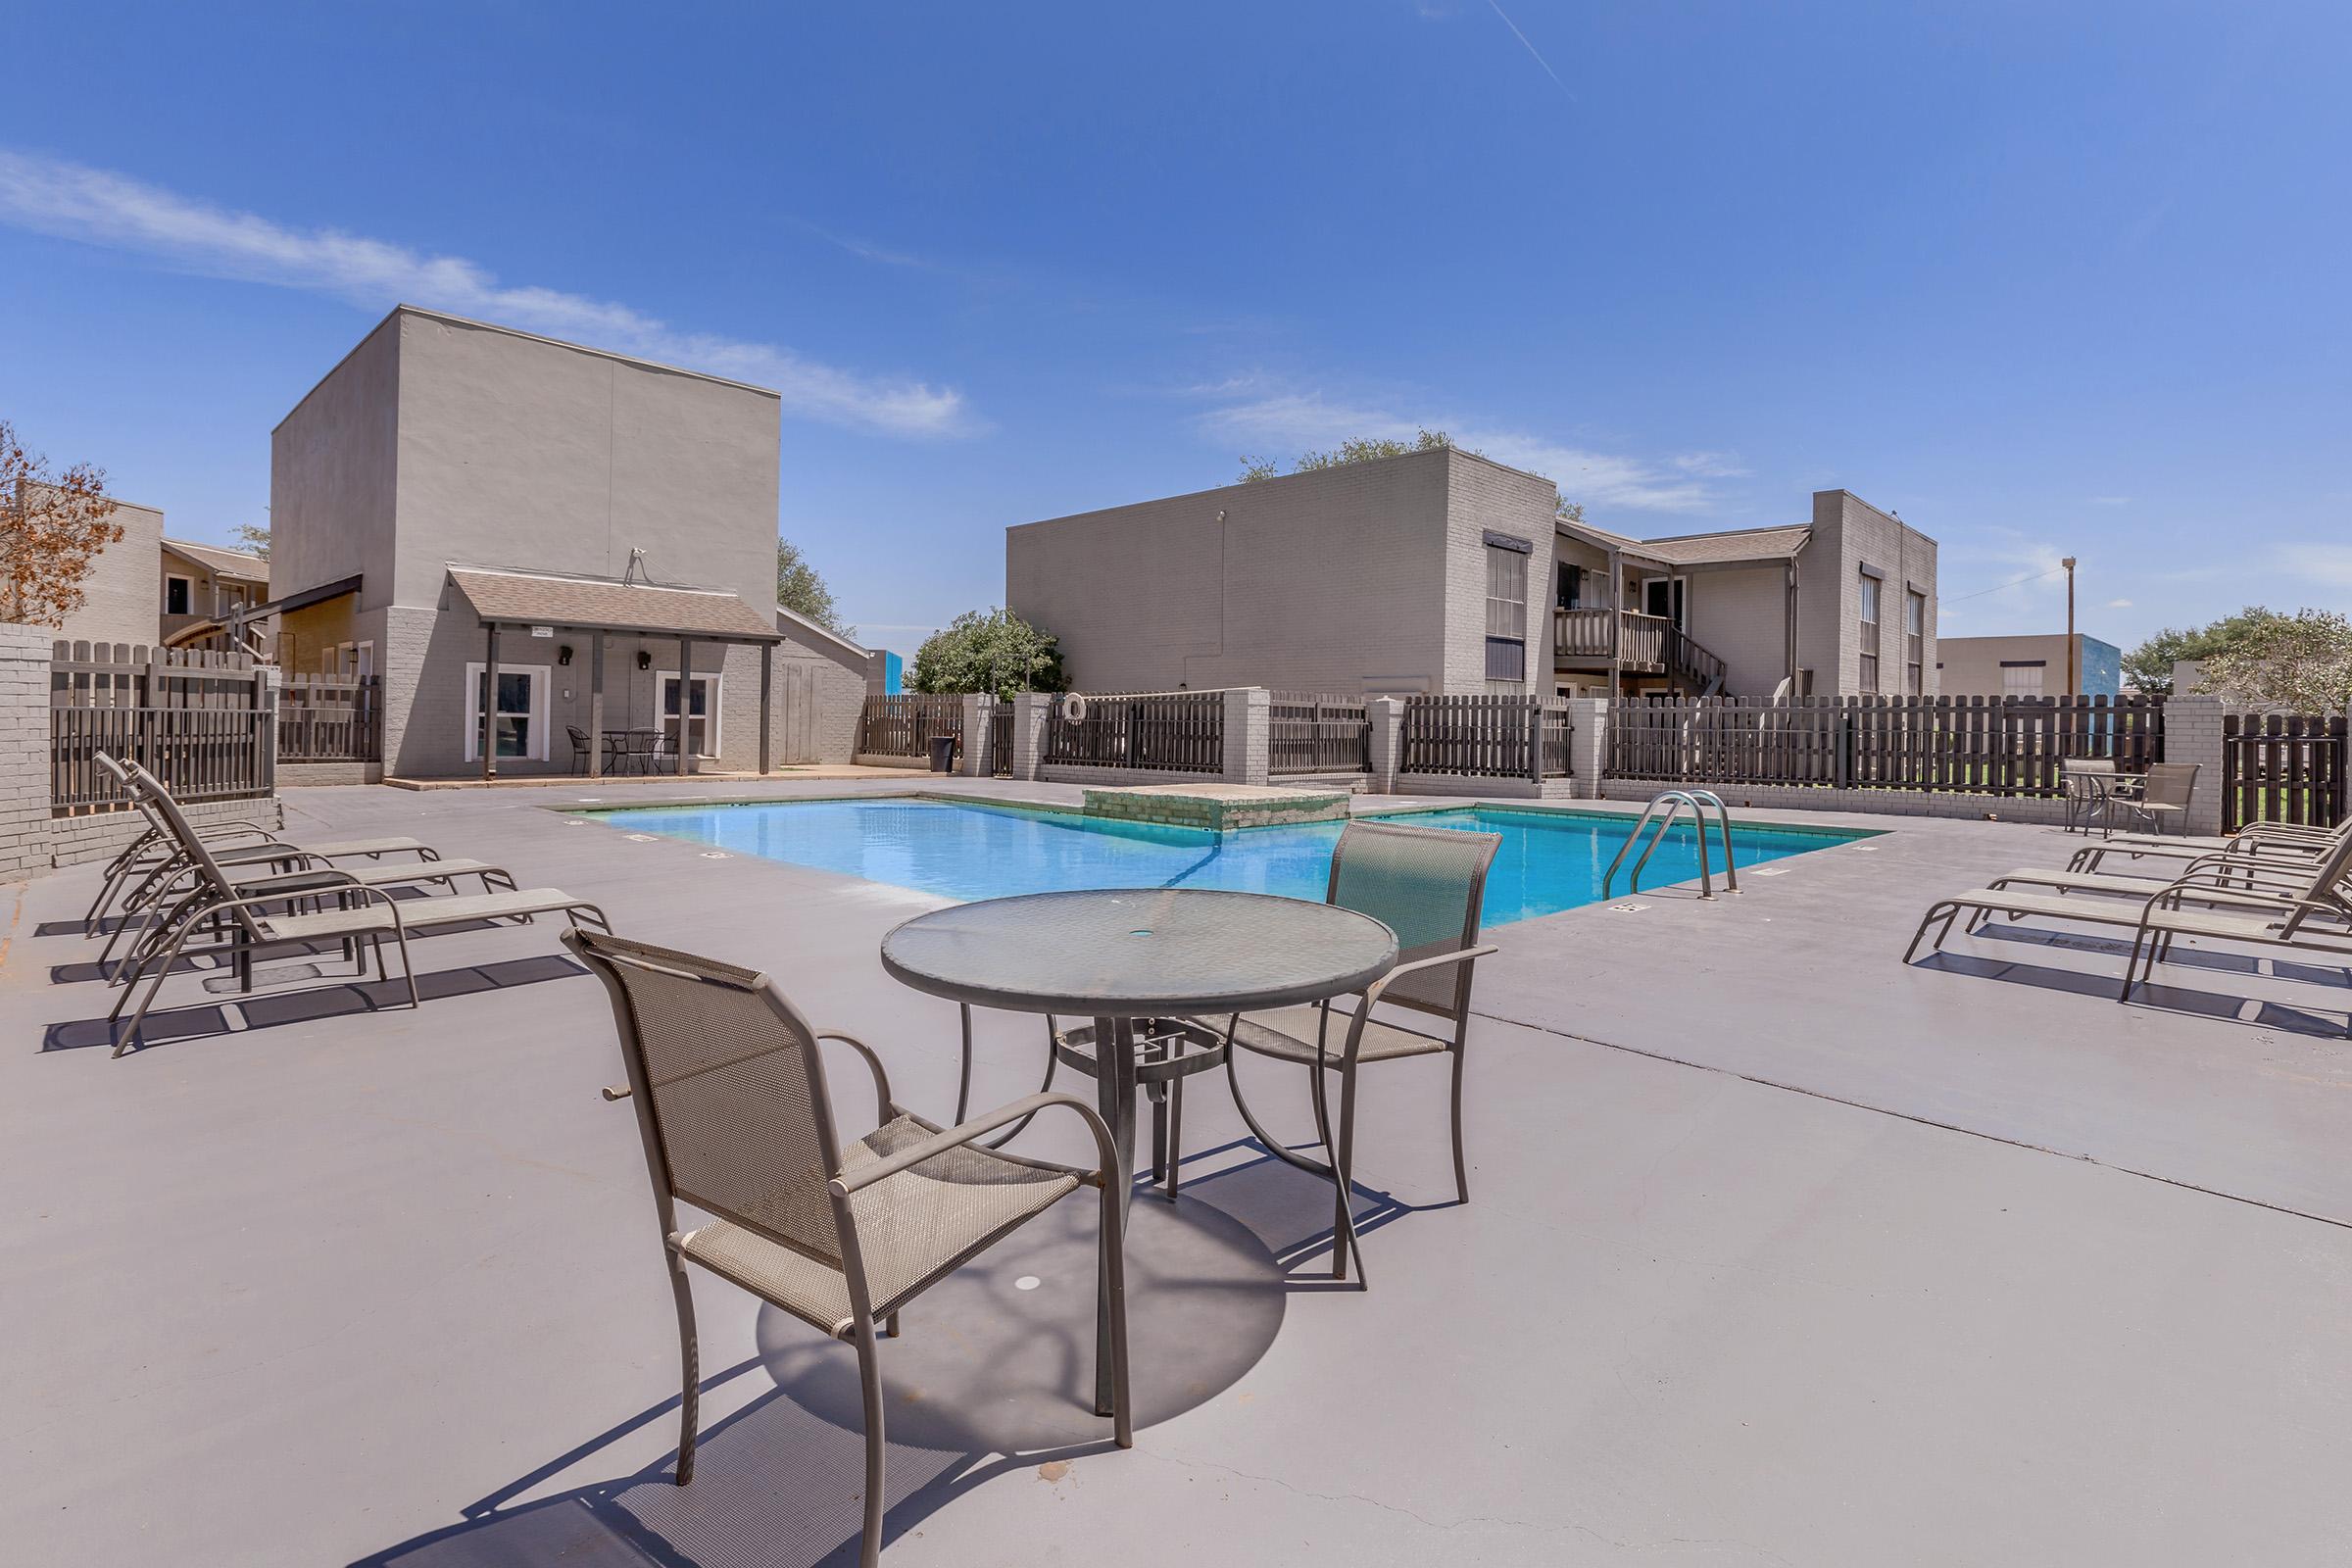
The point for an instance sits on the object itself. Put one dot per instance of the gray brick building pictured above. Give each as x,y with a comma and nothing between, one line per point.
1445,572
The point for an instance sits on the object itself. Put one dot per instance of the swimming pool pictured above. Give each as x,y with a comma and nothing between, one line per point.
1550,860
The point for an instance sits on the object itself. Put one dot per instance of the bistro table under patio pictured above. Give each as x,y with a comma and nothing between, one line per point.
1127,955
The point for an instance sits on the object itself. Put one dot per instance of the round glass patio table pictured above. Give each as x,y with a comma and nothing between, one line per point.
1119,955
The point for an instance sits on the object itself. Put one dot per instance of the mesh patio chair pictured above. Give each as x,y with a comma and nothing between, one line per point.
580,747
737,1120
2162,801
2088,781
1426,884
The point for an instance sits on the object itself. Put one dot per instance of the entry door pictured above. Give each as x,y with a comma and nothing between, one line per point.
701,712
518,721
1664,596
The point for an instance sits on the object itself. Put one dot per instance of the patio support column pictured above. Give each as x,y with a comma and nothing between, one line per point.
1616,620
685,696
490,707
1789,619
767,686
596,704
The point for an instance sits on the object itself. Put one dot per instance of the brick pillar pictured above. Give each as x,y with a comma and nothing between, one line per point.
1387,715
1029,710
25,749
1249,735
2192,733
1587,744
973,760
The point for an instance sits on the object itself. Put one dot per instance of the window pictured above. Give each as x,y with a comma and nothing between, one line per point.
701,712
1507,617
1867,640
179,595
518,721
2021,679
1914,641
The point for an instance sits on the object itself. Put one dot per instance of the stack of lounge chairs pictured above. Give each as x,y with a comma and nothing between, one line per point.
240,892
2271,887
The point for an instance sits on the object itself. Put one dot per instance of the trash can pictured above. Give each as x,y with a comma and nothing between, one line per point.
943,754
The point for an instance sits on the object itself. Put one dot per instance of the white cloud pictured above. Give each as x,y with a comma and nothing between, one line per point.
70,201
1711,466
2110,501
2327,563
1290,421
2118,604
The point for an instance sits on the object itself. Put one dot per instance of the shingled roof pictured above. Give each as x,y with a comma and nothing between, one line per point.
597,603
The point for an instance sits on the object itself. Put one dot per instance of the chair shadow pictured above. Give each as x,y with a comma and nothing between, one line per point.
262,1009
2221,1006
990,1375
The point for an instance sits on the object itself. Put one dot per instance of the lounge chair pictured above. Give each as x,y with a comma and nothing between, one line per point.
2309,915
244,924
2280,840
1427,884
737,1120
155,852
291,871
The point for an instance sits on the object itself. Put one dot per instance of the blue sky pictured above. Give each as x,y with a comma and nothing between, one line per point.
2042,278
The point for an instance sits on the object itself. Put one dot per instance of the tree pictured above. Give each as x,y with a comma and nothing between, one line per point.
992,650
1362,450
2298,663
253,537
802,591
1572,511
2150,664
52,526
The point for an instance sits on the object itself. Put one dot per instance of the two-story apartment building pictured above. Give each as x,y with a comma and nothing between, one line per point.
544,543
205,589
1445,571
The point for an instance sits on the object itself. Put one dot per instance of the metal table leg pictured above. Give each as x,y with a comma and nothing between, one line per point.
1114,1090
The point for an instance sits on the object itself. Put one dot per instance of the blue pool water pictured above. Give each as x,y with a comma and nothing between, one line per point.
1550,860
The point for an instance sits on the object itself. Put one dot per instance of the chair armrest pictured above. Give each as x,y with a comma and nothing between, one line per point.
882,1100
1372,992
1106,1151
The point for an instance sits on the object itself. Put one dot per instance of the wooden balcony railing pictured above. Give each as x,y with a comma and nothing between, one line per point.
1647,643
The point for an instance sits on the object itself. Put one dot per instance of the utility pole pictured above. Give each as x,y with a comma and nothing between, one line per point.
2074,672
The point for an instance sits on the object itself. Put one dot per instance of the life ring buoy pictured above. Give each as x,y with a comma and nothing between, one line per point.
1073,708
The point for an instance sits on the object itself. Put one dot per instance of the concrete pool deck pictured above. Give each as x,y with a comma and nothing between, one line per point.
1779,1252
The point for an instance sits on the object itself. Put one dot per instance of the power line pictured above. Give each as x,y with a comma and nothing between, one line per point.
1998,586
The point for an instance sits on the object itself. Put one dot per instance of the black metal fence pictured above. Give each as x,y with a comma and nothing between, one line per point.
1310,733
1178,732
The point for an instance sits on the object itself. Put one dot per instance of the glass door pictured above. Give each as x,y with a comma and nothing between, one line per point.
518,725
701,712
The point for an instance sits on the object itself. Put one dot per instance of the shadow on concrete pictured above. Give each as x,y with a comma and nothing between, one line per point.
2221,1006
264,1009
991,1375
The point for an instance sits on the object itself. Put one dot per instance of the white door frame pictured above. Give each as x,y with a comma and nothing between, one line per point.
710,706
1678,587
539,712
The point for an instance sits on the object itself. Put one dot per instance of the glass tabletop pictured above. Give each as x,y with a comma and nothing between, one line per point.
1131,953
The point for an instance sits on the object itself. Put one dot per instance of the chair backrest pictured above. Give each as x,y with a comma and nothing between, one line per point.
2170,783
1425,884
155,802
729,1089
579,737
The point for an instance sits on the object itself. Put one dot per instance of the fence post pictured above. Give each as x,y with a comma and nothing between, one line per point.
1249,735
972,759
1029,710
1535,741
2192,733
265,683
1587,744
1386,715
25,749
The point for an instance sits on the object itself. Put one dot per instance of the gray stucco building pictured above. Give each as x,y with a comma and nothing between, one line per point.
1445,571
449,474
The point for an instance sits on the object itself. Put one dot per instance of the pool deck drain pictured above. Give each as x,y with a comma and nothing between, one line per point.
1218,808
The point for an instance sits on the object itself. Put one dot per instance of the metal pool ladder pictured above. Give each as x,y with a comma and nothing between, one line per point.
1662,810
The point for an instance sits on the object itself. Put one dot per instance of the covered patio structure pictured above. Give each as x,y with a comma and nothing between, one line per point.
542,605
